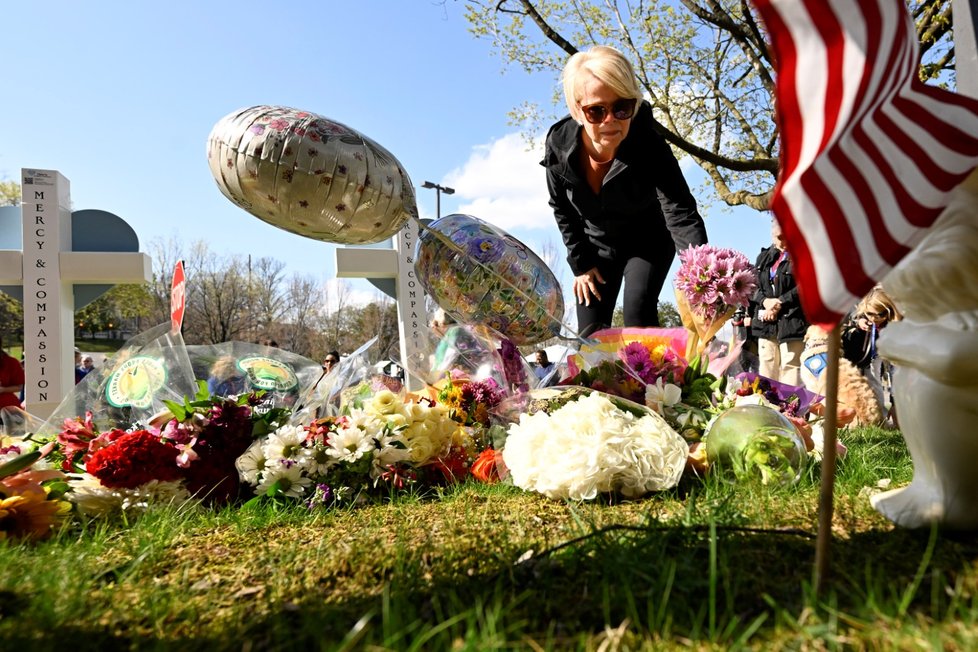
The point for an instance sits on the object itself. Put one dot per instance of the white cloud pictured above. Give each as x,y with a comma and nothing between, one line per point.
504,184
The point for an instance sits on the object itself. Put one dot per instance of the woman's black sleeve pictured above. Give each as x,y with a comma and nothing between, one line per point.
581,254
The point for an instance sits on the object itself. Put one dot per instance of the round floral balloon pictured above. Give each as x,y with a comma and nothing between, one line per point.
481,275
310,175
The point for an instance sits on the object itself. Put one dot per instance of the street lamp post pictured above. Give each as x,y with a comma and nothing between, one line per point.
438,191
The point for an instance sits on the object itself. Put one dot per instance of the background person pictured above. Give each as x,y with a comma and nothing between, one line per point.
619,198
330,361
779,322
860,335
545,370
11,379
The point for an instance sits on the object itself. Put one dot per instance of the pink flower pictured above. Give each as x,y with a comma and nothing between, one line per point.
713,280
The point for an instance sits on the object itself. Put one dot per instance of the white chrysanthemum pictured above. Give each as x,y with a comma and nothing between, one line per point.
286,443
251,463
349,444
362,420
319,461
95,500
290,478
589,446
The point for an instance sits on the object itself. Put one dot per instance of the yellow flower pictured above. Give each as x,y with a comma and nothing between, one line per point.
384,402
395,421
30,515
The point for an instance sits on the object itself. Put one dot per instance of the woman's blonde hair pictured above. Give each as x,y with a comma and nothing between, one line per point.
879,302
607,65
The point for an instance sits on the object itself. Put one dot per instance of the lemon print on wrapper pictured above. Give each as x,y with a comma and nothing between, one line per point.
135,382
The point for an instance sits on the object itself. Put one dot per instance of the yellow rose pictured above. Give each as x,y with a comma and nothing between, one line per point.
422,449
384,402
395,421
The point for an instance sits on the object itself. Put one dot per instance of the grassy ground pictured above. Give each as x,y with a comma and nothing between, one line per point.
708,566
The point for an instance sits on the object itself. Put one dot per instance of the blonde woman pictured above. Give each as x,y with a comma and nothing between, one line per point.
620,200
860,337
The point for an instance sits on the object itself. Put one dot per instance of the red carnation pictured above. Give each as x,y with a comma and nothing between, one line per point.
133,460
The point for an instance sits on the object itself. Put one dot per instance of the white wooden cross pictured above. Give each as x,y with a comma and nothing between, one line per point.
47,269
397,264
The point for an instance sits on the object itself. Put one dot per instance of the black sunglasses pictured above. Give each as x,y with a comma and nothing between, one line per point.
329,361
597,113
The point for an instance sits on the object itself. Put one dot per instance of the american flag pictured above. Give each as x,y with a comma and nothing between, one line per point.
869,153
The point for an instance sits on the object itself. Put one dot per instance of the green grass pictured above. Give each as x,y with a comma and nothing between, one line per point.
708,565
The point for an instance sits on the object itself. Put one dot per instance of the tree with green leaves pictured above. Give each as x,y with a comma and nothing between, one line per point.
704,65
123,303
9,193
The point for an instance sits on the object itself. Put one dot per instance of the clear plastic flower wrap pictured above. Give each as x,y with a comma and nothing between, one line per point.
755,442
235,368
575,443
475,353
133,384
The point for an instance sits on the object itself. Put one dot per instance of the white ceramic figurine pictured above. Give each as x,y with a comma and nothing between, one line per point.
935,384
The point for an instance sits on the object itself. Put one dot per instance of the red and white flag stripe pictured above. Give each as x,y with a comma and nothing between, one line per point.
869,153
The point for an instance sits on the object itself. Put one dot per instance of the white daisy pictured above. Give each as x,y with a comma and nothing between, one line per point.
349,444
319,460
286,443
392,449
251,463
289,477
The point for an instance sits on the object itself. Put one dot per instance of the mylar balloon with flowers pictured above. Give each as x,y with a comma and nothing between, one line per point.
310,175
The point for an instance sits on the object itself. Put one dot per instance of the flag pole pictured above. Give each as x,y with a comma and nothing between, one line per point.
823,541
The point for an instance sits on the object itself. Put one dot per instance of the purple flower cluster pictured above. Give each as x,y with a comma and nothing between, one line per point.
322,496
713,279
487,392
638,358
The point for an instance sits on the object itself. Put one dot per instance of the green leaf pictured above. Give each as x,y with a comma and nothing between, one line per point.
180,413
274,490
19,463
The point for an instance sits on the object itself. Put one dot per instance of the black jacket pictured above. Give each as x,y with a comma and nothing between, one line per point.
626,216
791,323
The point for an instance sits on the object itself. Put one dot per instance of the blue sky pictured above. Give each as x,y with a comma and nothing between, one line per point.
121,96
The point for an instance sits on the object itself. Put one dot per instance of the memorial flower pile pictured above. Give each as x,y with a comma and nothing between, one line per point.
645,366
187,451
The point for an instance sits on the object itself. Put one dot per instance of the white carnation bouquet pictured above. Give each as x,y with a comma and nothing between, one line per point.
574,443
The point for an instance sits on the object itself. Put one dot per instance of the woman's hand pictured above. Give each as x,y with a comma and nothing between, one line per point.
585,286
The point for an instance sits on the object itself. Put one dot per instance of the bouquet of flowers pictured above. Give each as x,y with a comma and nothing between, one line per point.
30,492
382,442
574,443
644,365
711,284
186,451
